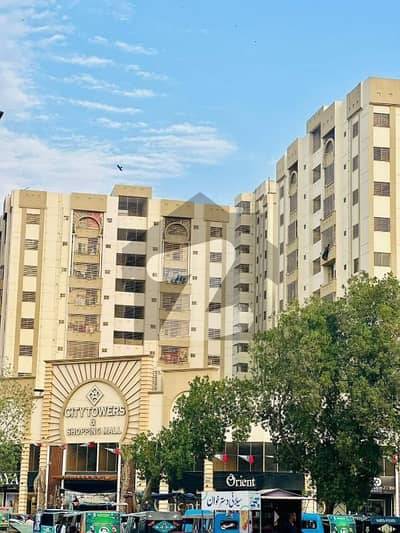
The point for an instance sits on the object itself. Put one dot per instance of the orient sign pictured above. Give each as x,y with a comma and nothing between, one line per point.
95,411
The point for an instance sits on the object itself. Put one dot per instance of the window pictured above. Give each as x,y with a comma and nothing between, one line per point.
381,224
292,232
216,232
281,274
86,270
316,174
129,285
243,229
293,202
355,162
25,350
281,219
381,188
214,333
174,355
281,191
382,120
316,204
316,234
316,139
317,265
28,296
355,231
355,197
128,311
356,265
214,307
215,283
132,206
355,129
381,259
292,291
82,350
328,237
31,244
329,205
128,337
329,174
33,218
27,323
244,268
125,234
244,287
243,307
281,246
381,154
291,262
243,249
174,328
172,301
30,270
135,260
215,257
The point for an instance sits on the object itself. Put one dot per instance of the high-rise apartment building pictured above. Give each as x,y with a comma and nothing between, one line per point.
336,201
337,189
254,270
110,306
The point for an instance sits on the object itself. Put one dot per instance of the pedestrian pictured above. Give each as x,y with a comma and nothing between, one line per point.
289,525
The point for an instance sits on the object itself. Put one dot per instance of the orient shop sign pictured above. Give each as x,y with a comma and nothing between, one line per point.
230,501
95,411
235,481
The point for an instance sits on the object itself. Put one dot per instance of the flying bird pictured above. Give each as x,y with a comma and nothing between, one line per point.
120,168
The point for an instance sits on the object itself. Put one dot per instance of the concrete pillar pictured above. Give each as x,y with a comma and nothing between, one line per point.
208,475
163,504
23,480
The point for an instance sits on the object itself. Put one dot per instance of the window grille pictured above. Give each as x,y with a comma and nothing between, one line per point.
174,328
31,244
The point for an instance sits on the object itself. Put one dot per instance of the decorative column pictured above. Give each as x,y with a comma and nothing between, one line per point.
163,505
208,480
23,479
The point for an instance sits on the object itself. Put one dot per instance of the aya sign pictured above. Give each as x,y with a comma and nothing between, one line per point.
230,501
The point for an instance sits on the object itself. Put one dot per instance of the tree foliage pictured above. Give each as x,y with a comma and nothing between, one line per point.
328,378
202,419
15,407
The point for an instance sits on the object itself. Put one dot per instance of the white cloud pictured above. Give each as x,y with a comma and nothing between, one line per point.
89,82
135,48
113,124
188,142
54,39
122,45
146,75
81,163
88,104
87,61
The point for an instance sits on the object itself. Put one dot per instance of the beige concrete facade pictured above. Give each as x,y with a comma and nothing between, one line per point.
112,305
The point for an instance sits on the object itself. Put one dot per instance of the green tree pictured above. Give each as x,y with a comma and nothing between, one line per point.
202,419
327,379
15,408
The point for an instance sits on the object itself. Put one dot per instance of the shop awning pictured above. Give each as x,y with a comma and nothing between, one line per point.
280,494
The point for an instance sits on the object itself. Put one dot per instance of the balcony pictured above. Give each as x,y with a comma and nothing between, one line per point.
328,255
328,288
328,221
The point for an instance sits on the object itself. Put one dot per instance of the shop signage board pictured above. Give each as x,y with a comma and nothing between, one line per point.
102,522
95,411
230,501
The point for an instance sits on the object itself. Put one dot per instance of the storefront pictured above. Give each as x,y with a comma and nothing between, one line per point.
90,411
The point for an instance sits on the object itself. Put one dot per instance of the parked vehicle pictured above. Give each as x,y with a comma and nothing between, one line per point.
153,522
311,523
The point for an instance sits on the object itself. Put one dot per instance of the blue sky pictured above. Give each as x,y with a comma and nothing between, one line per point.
187,95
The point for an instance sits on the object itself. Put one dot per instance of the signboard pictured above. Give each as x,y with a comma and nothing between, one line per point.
228,481
230,501
95,411
102,522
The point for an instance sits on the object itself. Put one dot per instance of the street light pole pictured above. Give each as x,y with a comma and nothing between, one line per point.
396,488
